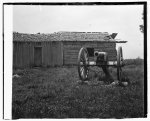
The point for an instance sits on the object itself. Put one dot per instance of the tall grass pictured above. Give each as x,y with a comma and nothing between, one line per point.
57,93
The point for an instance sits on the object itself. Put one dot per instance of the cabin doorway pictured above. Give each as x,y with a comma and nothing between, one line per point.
38,56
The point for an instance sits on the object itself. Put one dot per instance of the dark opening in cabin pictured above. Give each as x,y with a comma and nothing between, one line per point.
90,52
37,56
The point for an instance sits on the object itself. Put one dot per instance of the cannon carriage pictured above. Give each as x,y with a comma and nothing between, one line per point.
101,60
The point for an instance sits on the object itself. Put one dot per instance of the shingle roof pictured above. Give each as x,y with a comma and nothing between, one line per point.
62,36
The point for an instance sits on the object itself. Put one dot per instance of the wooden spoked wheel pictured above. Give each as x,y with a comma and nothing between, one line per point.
83,64
119,63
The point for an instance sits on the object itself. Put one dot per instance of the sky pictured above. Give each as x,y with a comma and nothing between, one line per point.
121,19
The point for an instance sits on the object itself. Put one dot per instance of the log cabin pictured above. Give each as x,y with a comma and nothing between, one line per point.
59,48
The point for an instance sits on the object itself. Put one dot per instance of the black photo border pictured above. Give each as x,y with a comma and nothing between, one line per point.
82,4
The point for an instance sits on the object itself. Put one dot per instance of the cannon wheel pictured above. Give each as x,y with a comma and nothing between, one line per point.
82,64
119,63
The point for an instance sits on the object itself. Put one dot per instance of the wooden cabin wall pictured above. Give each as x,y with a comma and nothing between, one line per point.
23,54
57,53
71,50
52,53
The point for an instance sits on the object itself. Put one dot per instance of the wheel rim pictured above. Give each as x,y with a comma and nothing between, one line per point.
119,63
82,64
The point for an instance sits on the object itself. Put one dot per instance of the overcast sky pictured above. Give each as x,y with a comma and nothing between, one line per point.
122,19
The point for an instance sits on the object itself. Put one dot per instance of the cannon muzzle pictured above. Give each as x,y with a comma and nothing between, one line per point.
101,56
96,53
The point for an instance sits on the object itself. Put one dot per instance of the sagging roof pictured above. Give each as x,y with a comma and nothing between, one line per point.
64,36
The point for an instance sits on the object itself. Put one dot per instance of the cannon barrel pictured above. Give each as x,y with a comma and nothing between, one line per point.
100,57
97,53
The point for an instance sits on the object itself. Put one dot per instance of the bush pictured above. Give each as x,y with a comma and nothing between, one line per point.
137,61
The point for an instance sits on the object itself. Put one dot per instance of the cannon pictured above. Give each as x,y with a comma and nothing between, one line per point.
101,60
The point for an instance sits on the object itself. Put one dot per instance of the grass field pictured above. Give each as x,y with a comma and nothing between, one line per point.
58,93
